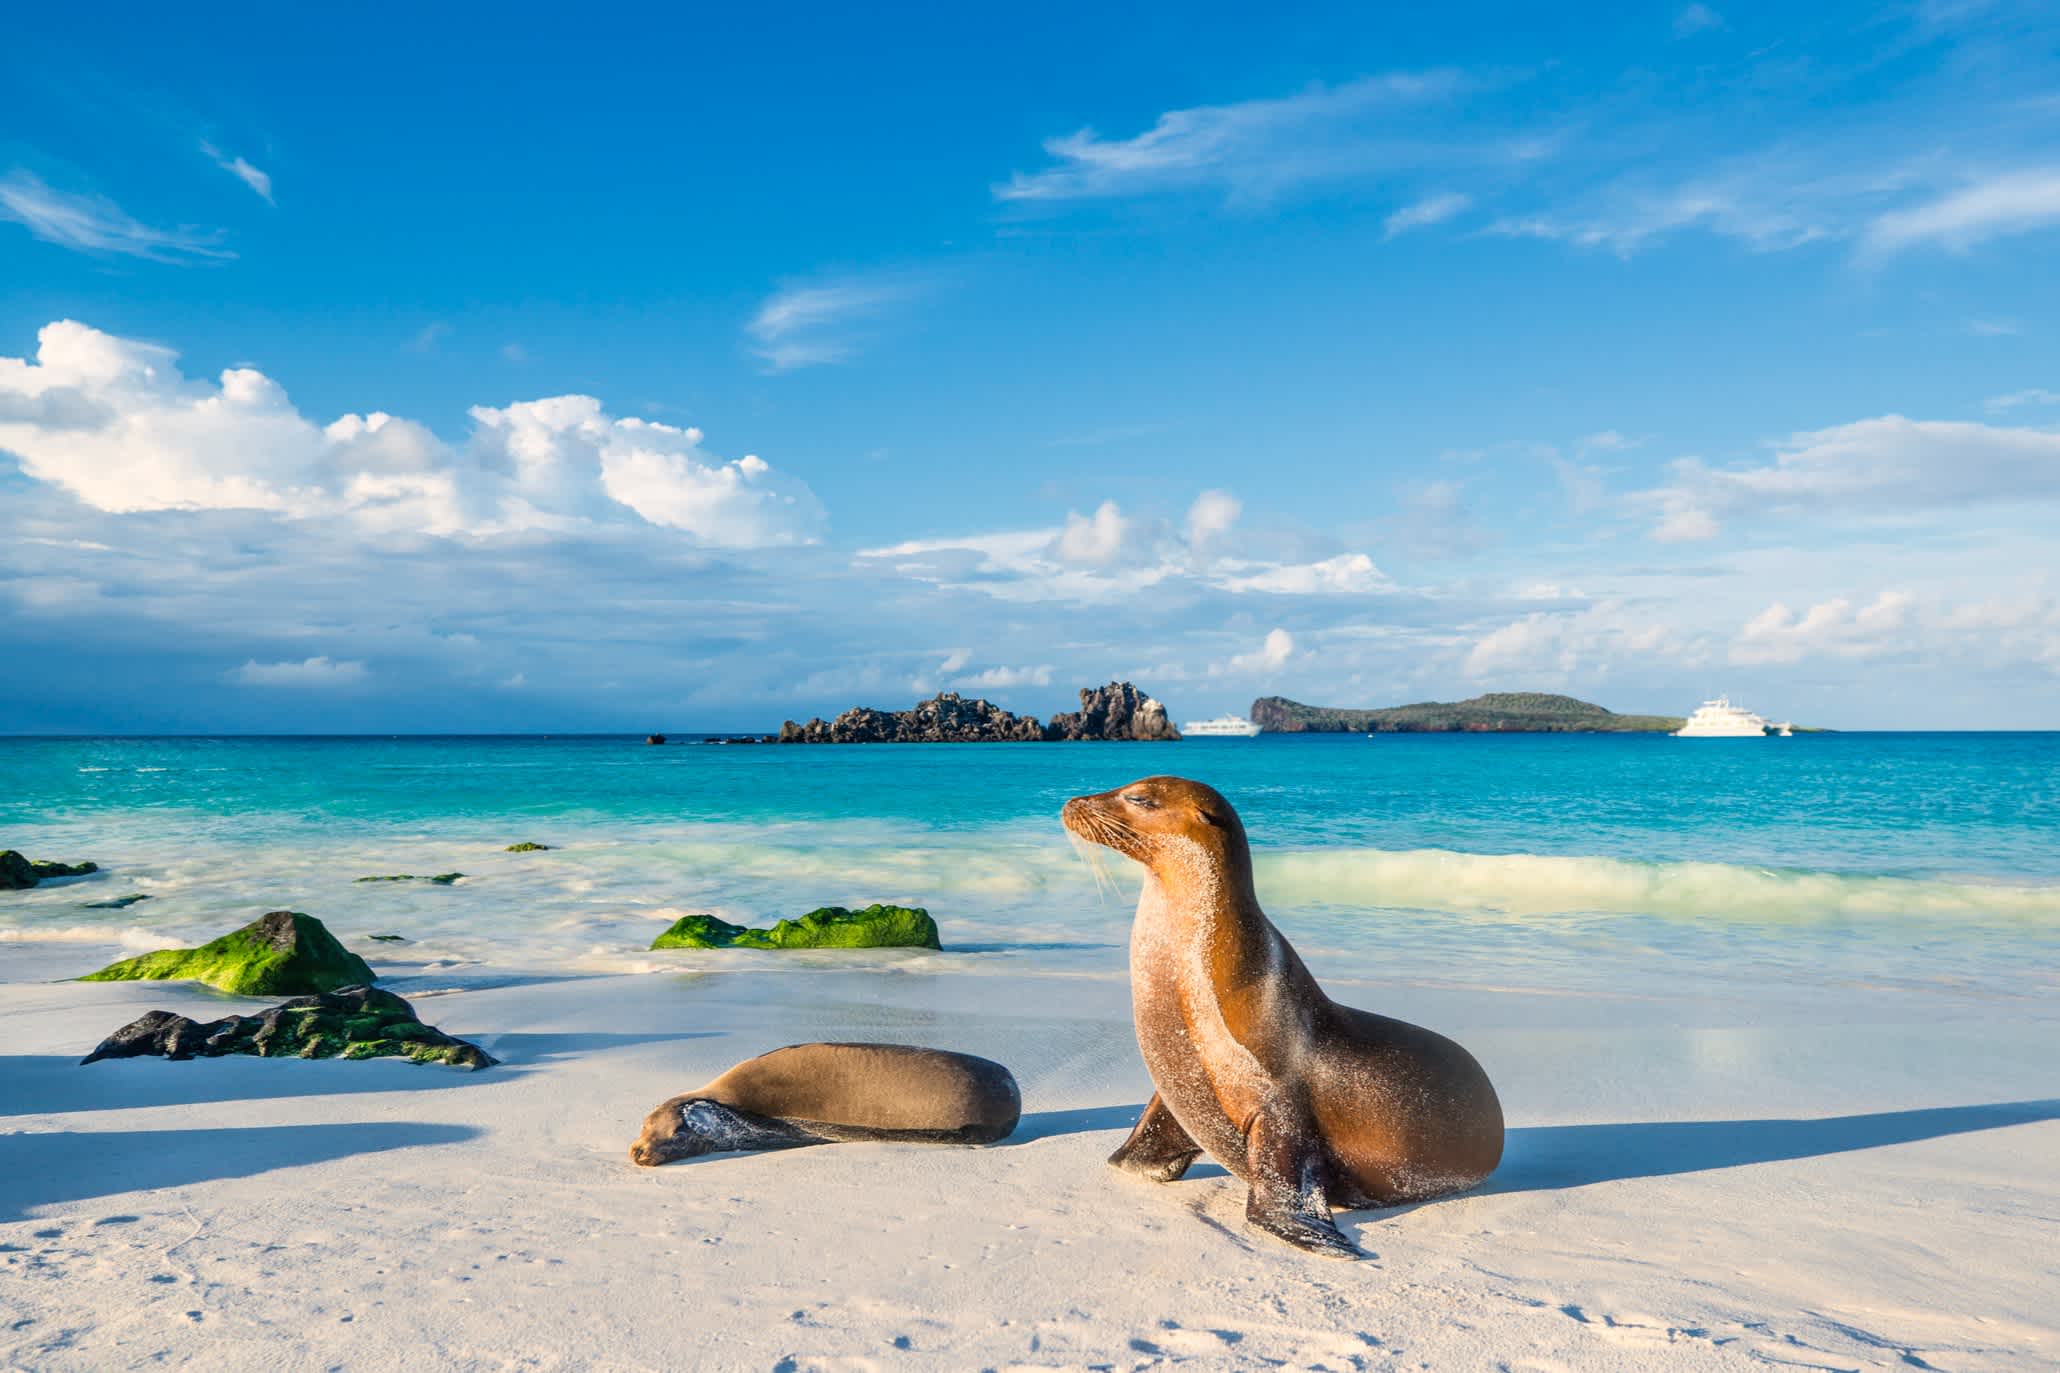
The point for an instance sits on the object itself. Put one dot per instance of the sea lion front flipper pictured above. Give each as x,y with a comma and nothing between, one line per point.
1158,1149
1285,1168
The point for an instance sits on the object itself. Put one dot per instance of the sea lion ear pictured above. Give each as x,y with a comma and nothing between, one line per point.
1208,817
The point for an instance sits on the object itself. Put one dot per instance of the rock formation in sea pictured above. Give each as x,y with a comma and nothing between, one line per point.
1116,711
19,874
831,927
282,953
350,1022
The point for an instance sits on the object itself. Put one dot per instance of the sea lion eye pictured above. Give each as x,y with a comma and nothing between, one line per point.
1138,798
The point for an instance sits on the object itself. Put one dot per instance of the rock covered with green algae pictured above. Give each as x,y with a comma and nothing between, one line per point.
284,953
831,927
351,1022
442,879
17,873
526,847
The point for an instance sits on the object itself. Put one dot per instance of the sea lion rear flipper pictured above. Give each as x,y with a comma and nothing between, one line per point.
1158,1149
1285,1168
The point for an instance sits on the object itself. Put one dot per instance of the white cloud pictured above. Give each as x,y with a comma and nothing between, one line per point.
1348,574
242,171
1554,646
1780,635
317,673
810,325
1890,463
2012,203
2034,395
1004,677
1093,540
95,224
1211,517
1270,656
1435,209
113,421
1696,19
1251,148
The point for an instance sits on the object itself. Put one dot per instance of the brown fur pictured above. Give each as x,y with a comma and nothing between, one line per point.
1311,1103
820,1093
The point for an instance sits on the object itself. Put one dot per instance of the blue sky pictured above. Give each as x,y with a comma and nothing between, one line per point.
512,369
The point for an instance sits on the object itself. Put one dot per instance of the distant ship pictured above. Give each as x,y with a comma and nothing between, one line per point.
1719,719
1222,727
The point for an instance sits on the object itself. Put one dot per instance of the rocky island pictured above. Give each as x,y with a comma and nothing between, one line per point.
1116,711
1498,712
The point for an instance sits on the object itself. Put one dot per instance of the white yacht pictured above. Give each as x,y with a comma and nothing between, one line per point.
1222,727
1719,719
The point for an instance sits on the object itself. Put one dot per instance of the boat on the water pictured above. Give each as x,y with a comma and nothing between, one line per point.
1222,727
1719,719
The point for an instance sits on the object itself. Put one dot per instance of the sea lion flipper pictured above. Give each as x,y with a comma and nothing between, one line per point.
1158,1149
1290,1198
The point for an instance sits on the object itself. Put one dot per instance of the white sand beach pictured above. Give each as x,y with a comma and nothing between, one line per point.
1863,1177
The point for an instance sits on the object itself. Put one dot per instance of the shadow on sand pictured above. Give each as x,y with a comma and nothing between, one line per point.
47,1084
67,1166
1547,1157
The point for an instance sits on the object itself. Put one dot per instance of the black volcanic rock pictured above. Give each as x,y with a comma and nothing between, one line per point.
1116,711
350,1022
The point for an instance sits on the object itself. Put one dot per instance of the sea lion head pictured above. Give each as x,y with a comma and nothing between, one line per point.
1155,818
670,1133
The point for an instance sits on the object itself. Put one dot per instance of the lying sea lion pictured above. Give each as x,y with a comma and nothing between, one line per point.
826,1093
1313,1104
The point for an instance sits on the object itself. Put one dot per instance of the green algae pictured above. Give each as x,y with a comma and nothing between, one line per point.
350,1022
442,879
526,847
17,873
117,903
831,927
282,953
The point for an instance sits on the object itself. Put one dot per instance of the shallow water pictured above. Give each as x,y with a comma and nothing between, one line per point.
1906,861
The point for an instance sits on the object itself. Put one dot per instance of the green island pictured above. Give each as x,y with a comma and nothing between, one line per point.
830,927
1498,712
283,953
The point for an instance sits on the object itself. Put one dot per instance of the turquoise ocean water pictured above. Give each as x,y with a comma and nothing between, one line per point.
1560,861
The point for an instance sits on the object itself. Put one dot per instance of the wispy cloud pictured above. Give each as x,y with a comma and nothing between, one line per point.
1251,149
1696,19
1435,209
813,324
2031,395
95,224
2012,203
237,167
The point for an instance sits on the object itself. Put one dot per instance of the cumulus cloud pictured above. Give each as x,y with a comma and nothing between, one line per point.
1253,147
1890,463
1270,656
1554,646
1211,517
1781,635
1434,209
114,422
1093,540
242,171
317,673
95,224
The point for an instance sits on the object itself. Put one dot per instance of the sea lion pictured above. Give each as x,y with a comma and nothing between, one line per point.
825,1093
1313,1104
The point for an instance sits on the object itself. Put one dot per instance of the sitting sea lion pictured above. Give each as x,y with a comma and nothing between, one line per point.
826,1093
1313,1104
